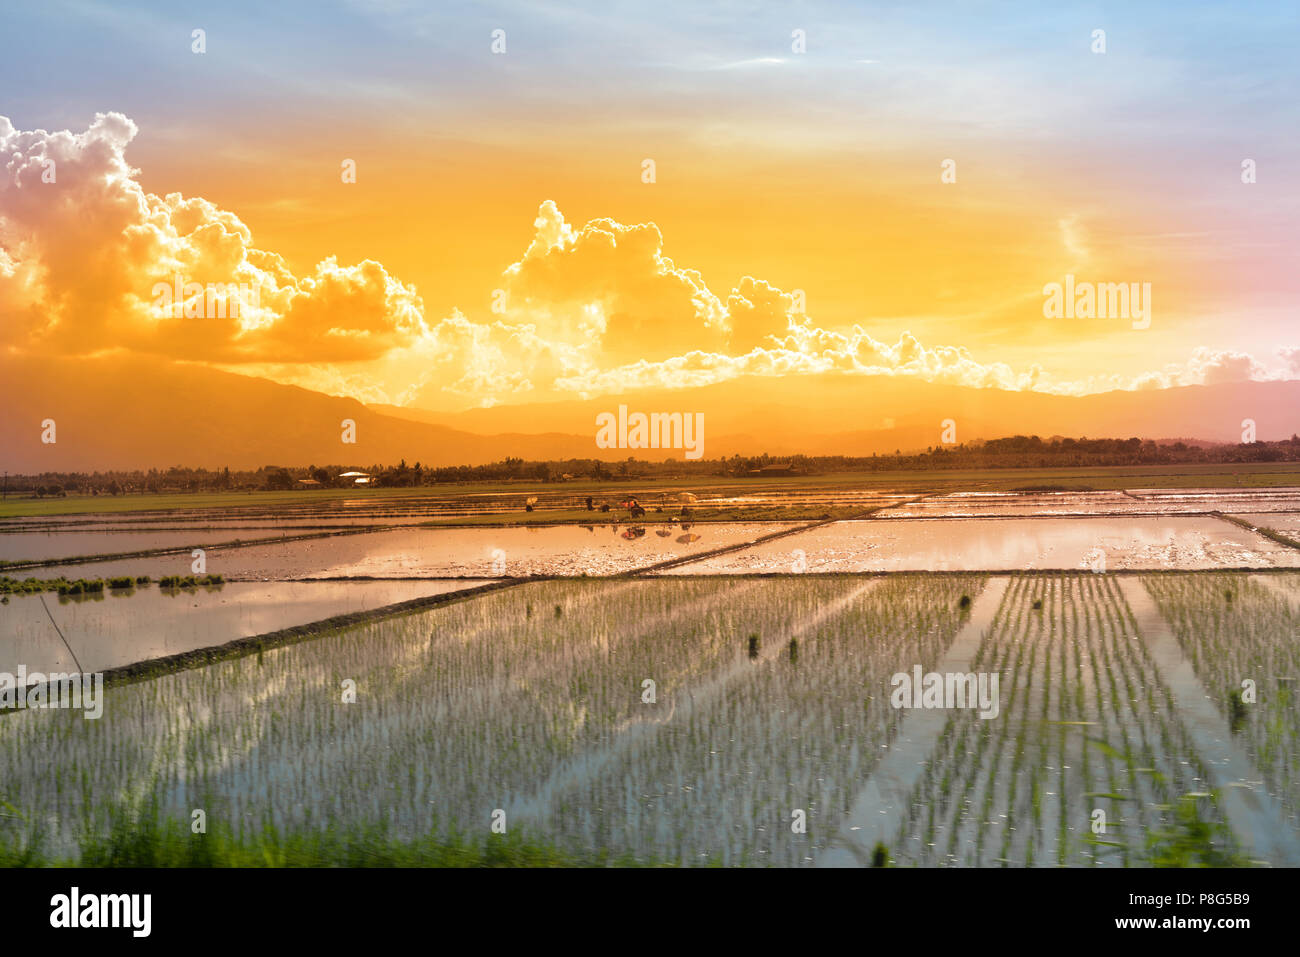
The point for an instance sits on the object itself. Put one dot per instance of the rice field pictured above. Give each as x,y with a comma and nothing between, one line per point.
104,629
732,707
1234,629
573,550
1107,543
529,701
1135,501
1087,724
769,705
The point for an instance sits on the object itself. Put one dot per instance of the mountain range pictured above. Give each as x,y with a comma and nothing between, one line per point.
115,412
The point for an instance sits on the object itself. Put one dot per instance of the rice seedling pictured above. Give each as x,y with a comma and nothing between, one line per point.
478,705
1251,637
1084,724
766,697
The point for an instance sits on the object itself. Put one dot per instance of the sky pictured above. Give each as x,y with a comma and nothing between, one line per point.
858,188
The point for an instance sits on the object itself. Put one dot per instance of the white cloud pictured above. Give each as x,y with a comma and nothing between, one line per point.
589,310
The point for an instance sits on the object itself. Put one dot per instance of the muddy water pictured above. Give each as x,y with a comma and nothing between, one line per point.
1222,499
1287,523
1111,502
880,809
994,504
151,623
266,525
1256,820
48,545
1180,542
436,552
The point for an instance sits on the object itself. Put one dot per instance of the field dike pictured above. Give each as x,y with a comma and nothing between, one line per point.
1256,820
537,808
880,808
1267,532
771,537
23,565
152,668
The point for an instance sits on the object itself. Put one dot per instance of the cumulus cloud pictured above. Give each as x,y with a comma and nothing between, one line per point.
84,251
611,285
590,310
1290,355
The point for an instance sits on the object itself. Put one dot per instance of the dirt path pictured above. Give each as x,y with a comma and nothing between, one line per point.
1256,820
881,807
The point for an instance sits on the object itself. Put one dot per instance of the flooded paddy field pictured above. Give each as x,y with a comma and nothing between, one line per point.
976,504
1232,630
1019,544
1102,723
742,722
1285,523
119,627
1278,498
165,523
46,545
571,550
686,714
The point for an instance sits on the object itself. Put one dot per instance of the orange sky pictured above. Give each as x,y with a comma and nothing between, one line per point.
778,173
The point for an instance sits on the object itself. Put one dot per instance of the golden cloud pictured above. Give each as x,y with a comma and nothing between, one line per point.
86,254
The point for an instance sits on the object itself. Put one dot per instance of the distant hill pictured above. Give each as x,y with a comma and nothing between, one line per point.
124,413
132,413
861,415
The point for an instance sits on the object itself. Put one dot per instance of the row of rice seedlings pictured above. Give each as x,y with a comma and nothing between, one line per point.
459,711
798,731
1233,629
187,581
1148,754
1085,724
64,587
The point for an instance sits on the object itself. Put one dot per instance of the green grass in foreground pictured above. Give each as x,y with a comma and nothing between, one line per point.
151,841
161,843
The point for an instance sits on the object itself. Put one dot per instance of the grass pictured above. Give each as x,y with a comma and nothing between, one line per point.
154,841
63,586
73,587
1268,533
1191,840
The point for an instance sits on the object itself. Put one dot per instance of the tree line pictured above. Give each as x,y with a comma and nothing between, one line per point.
1018,451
